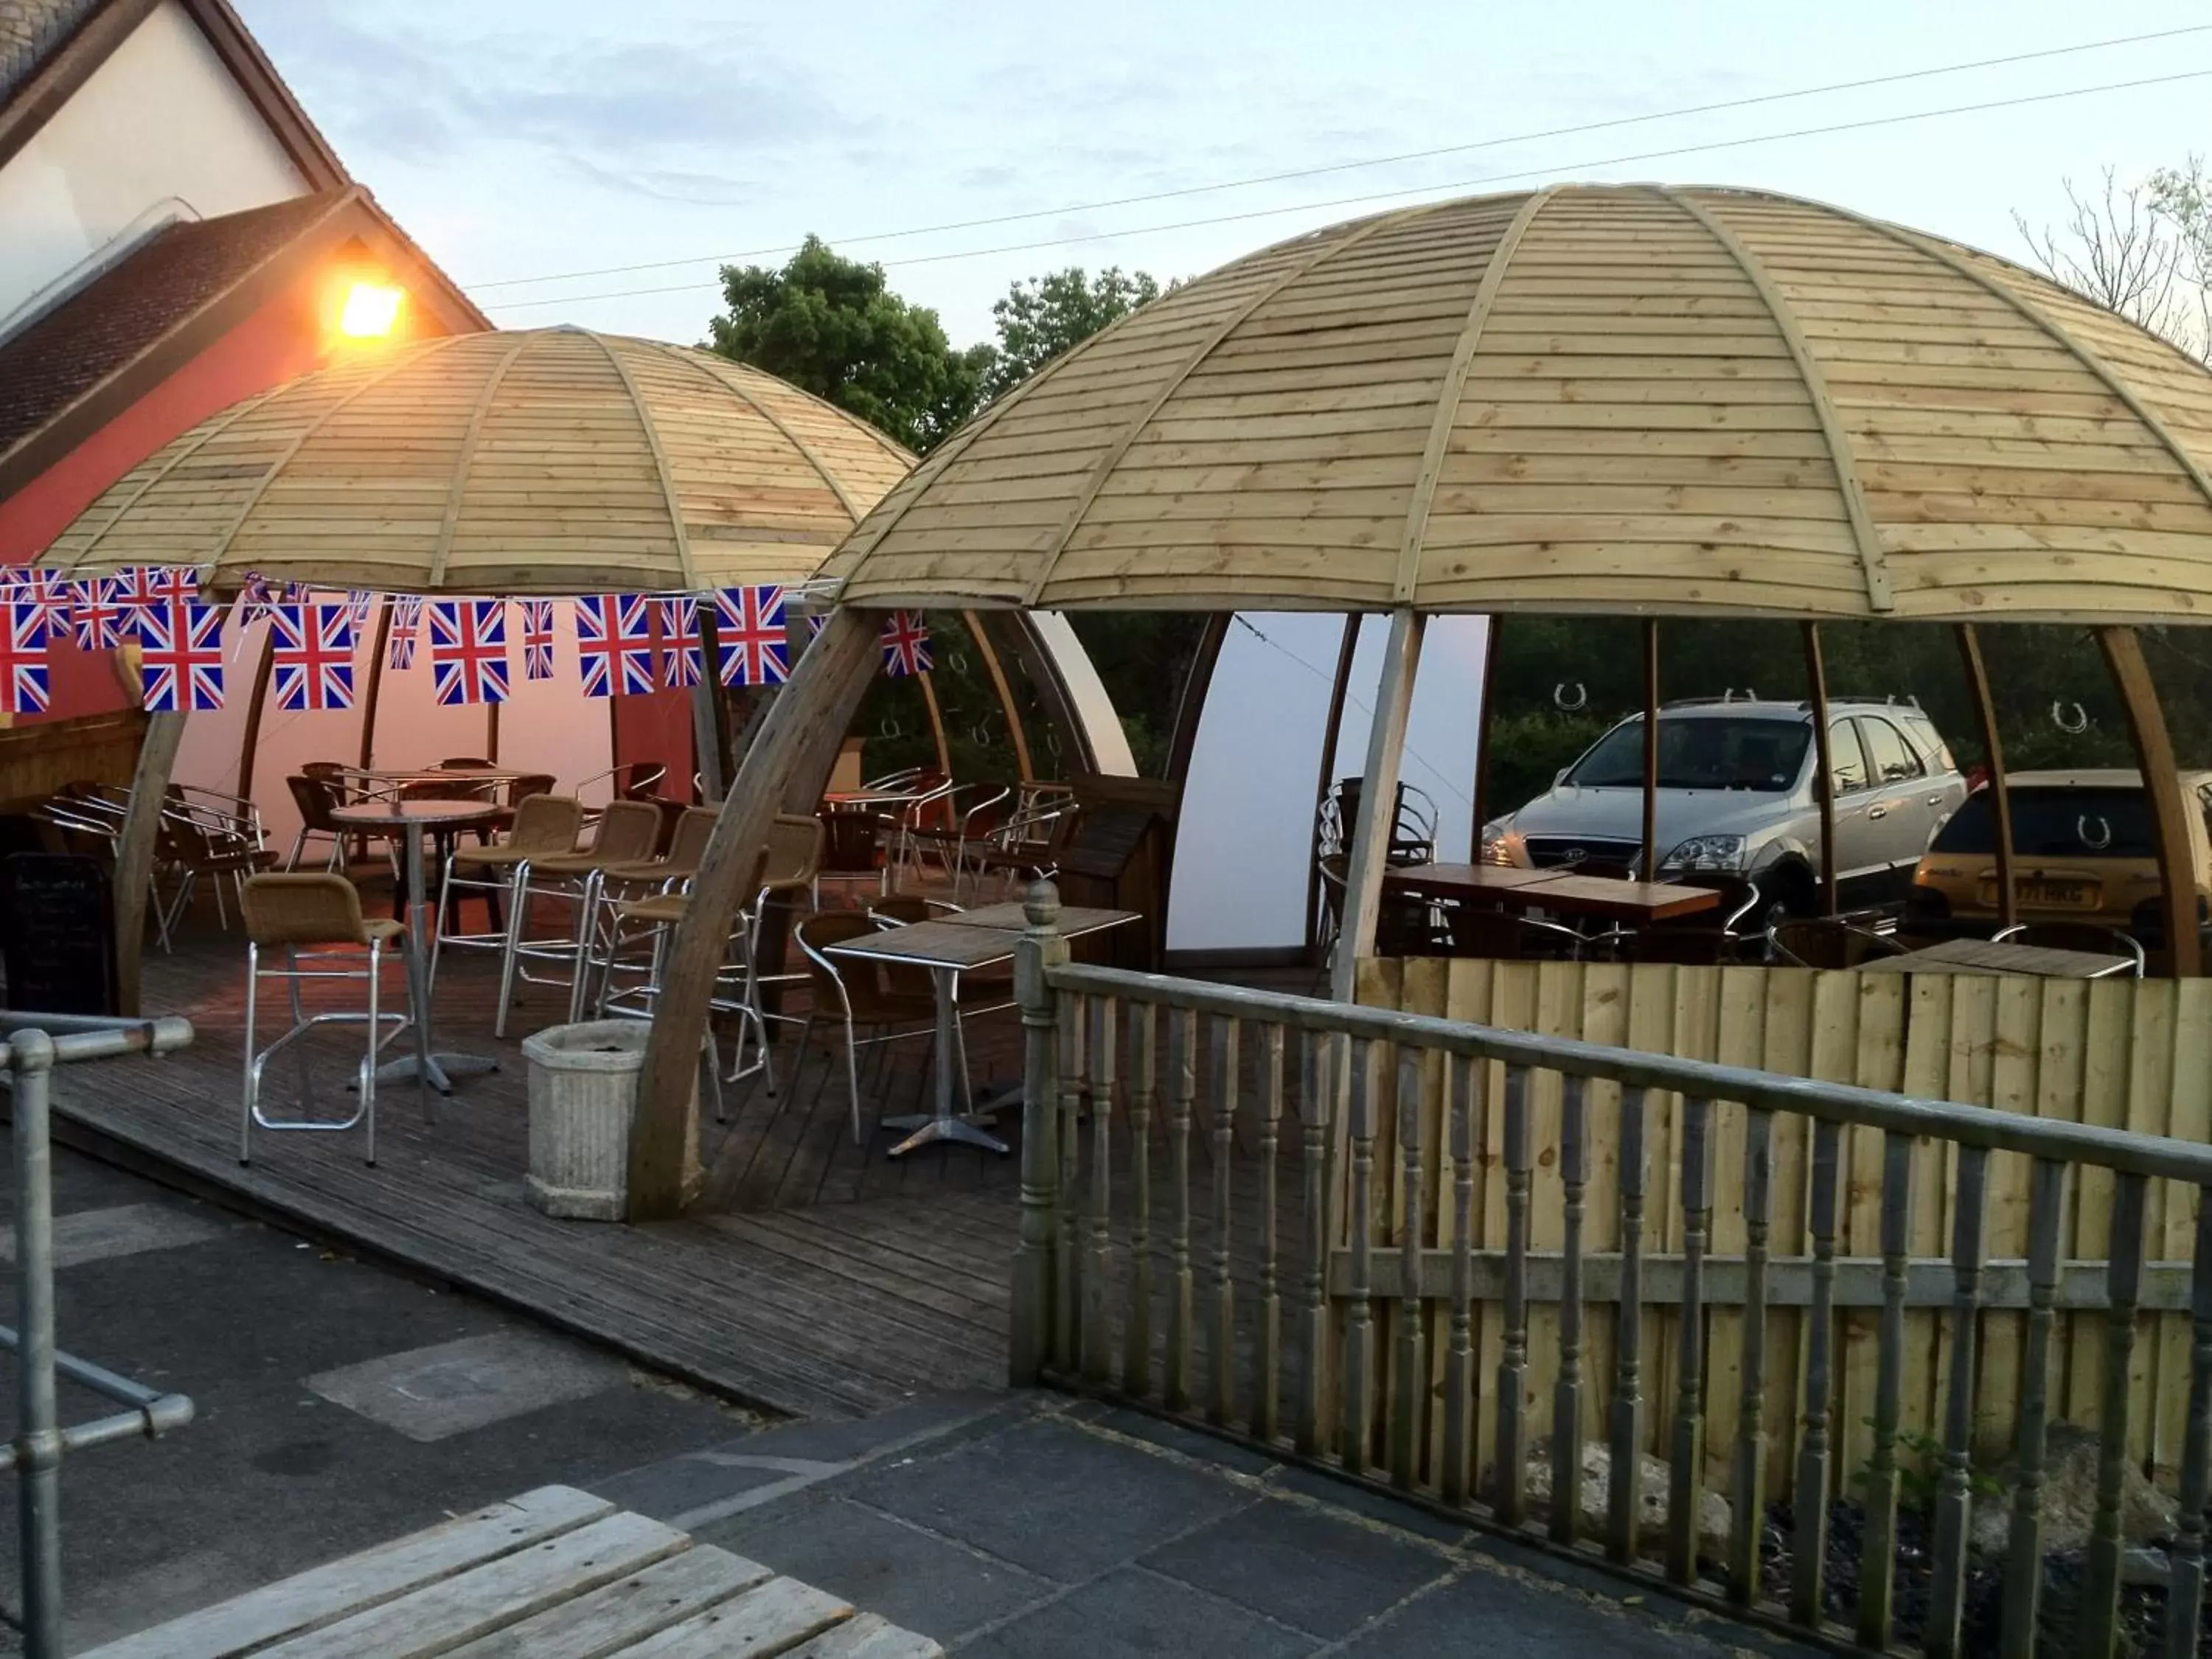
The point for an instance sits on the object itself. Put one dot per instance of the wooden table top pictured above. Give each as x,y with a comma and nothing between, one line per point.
1982,955
1554,890
933,945
406,813
1074,920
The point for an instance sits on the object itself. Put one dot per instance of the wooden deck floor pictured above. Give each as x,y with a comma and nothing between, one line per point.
818,1278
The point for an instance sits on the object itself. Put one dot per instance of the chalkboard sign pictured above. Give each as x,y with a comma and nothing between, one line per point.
58,935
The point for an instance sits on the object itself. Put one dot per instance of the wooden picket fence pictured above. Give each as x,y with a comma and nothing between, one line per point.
2122,1053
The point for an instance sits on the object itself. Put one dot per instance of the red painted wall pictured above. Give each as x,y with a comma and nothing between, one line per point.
657,727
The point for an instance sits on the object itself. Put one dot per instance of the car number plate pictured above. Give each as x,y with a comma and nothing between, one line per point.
2064,895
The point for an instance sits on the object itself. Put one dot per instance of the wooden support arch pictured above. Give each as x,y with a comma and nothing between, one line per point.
1190,703
1378,799
997,670
784,771
1816,694
1985,721
1332,726
2170,809
135,847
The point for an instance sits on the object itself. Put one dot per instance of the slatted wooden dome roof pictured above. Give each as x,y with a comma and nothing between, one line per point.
1590,397
545,461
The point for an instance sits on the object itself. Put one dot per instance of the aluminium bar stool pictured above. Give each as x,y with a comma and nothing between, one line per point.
627,833
314,919
544,825
606,937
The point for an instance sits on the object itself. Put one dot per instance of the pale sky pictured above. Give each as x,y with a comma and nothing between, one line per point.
526,138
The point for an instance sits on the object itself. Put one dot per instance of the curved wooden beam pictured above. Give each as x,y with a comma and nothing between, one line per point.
1103,467
784,771
1455,387
1378,799
1874,561
651,430
249,742
853,510
134,850
996,670
1985,719
457,487
376,659
1190,703
2170,809
1332,726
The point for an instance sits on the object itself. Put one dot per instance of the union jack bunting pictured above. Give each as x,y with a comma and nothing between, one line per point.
142,589
23,686
52,595
362,604
310,647
679,642
101,624
614,642
538,639
905,640
468,650
254,599
749,635
181,666
406,624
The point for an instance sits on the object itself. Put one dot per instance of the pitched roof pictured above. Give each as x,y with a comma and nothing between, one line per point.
106,345
50,48
30,30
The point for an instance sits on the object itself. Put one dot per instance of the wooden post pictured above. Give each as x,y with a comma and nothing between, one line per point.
134,850
1333,724
936,723
797,746
250,744
1816,688
376,657
1482,726
2162,784
1378,799
1651,748
1986,721
1035,1275
706,740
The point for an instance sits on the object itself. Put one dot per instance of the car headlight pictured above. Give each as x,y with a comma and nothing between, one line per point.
1706,852
1498,842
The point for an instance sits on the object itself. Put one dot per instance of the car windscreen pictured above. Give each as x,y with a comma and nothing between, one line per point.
1705,751
2055,824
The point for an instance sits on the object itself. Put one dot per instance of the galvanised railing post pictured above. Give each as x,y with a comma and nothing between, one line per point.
38,1440
1040,949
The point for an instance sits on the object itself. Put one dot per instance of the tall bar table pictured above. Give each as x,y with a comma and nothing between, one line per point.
411,823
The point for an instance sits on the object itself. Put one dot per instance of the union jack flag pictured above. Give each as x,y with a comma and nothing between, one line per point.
143,589
406,624
181,667
254,599
312,648
49,595
614,641
23,688
679,642
102,623
538,639
905,640
749,633
468,649
362,604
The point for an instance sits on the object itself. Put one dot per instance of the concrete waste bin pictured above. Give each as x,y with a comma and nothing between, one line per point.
583,1093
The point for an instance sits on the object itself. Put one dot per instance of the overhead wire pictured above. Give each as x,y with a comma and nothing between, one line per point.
1290,174
1370,196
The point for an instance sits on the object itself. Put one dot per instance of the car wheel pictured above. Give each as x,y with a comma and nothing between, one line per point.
1785,894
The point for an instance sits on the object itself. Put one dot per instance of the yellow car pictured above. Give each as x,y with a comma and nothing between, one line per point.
2082,850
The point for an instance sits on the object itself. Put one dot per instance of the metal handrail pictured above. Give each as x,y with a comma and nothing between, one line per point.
2126,1151
35,1043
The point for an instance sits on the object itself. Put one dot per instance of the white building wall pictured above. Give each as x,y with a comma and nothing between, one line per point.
161,118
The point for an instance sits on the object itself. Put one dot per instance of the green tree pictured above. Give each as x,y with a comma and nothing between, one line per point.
832,326
1044,316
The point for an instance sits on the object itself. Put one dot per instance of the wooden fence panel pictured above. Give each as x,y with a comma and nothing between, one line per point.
2134,1055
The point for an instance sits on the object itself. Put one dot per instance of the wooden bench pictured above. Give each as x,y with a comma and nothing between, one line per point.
554,1574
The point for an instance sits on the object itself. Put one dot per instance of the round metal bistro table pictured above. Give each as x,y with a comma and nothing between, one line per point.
413,822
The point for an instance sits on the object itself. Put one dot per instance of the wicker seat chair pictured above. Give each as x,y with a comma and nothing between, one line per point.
627,833
544,825
314,919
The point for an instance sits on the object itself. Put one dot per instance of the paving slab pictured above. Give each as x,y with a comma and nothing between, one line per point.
1133,1614
125,1229
1327,1574
451,1387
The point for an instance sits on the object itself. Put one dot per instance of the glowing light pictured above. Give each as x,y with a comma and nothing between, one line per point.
370,310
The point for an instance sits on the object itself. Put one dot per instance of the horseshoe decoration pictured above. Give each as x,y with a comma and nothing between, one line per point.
890,730
1052,743
956,661
1581,698
2079,723
2102,838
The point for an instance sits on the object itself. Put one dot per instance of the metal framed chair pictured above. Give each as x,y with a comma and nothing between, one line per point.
544,825
2090,936
627,833
859,997
1472,931
1826,943
605,932
314,919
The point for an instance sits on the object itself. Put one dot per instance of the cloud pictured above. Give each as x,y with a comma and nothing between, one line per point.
654,117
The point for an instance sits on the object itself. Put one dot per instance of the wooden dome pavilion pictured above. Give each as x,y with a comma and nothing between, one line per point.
549,460
1585,398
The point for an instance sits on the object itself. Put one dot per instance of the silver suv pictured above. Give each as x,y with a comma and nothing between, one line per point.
1736,794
